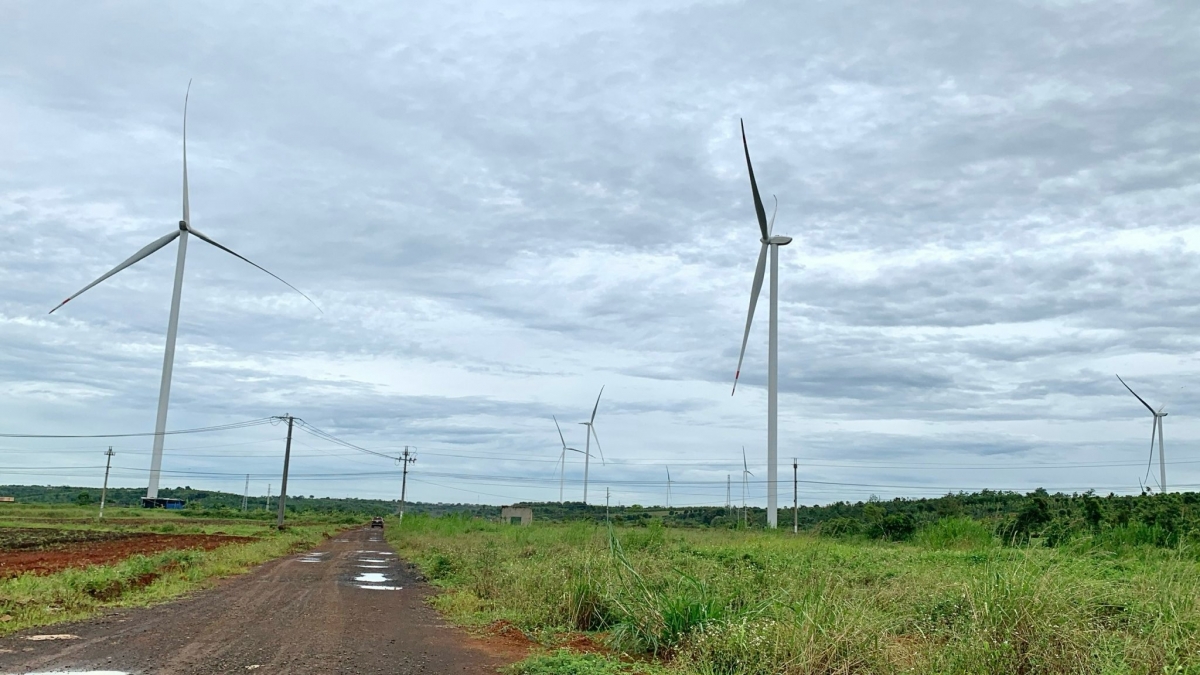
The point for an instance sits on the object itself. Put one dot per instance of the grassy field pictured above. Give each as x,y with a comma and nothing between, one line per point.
38,600
953,600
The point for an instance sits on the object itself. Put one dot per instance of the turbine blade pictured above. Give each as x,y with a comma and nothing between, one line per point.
755,289
560,436
592,429
771,225
187,214
758,205
1150,461
244,258
597,406
144,252
1136,396
562,457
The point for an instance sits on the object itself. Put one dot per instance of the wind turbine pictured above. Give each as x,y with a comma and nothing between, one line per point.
668,486
591,432
185,228
773,243
745,472
562,458
1157,426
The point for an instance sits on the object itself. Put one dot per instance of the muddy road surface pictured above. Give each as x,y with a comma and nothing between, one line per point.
348,606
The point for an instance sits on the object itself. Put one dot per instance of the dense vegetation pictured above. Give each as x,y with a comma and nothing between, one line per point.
1159,519
954,598
226,504
1040,517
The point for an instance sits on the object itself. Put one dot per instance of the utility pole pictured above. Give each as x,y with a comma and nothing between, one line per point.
287,455
795,497
606,496
406,458
246,493
104,490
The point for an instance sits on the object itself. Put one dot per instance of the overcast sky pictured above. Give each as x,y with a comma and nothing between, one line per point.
503,206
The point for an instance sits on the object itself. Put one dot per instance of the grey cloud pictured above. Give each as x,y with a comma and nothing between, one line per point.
502,207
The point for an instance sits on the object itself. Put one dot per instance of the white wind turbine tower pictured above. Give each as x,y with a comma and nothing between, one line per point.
668,486
1157,426
562,459
185,228
773,243
745,472
591,433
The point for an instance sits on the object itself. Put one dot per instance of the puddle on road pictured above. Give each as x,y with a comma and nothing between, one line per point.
372,560
374,581
82,672
372,567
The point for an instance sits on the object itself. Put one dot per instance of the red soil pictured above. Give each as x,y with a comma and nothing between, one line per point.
84,554
505,640
578,642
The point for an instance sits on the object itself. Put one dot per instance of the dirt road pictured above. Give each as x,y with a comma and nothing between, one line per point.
348,606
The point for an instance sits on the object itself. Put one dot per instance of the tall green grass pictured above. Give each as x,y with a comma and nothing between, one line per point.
731,602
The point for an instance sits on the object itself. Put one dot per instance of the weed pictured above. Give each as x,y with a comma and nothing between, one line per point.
563,662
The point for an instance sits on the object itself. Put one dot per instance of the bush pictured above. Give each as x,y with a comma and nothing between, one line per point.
840,527
955,533
563,662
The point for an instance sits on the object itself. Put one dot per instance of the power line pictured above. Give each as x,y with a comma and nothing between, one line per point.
324,435
221,427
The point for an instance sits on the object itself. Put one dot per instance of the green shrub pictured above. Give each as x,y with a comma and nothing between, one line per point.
954,533
563,662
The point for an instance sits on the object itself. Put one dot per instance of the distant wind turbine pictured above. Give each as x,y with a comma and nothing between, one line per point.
773,243
562,459
185,228
745,472
668,486
587,454
1157,425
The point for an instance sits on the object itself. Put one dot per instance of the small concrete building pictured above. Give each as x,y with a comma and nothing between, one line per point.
516,515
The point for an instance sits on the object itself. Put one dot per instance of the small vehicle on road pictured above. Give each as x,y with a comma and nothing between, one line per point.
377,521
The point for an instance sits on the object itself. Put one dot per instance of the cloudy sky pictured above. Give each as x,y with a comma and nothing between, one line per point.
503,206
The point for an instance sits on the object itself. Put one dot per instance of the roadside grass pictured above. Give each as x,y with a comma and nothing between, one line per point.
726,602
38,600
565,662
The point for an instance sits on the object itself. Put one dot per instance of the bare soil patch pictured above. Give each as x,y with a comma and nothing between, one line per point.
48,551
505,640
